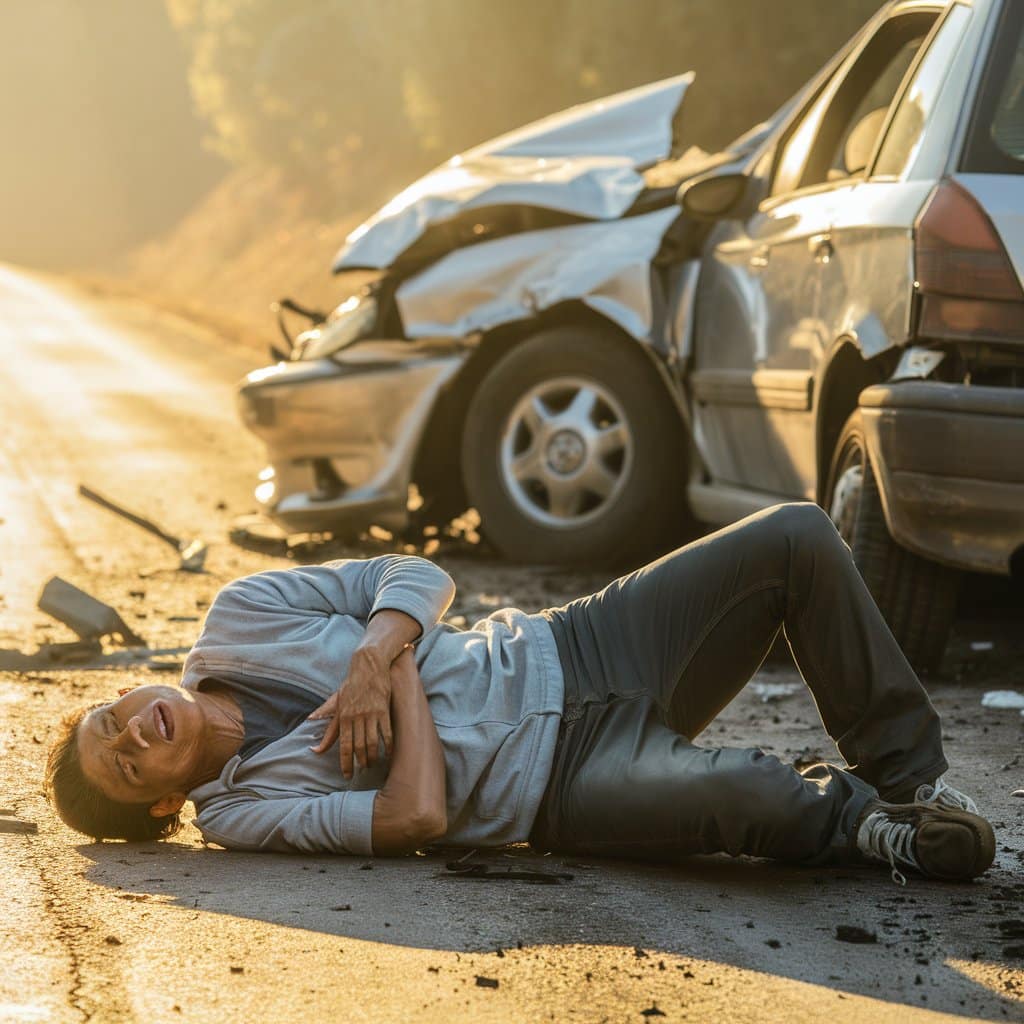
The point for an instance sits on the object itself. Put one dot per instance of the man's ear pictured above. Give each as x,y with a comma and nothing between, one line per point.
170,804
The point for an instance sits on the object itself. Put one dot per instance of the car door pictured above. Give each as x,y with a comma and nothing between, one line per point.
867,286
760,336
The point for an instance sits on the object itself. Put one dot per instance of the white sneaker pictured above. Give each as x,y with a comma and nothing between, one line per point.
944,795
936,841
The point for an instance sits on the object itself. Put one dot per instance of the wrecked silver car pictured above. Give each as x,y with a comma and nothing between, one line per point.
593,343
511,353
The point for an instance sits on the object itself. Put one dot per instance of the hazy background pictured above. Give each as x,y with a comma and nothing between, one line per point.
216,152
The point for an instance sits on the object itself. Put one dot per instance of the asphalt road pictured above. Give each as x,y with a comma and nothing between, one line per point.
139,406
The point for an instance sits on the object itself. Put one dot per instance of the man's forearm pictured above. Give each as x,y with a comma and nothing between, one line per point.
410,808
388,633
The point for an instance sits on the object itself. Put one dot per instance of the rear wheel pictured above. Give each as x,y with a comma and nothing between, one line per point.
916,596
573,452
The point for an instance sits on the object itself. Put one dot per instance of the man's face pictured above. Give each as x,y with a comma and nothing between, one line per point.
143,746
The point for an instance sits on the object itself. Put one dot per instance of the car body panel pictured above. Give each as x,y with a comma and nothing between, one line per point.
950,472
868,283
582,162
363,413
607,266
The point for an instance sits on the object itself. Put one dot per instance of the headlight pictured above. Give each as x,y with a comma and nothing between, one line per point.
351,321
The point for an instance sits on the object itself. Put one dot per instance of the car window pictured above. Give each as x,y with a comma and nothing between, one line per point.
846,118
903,138
995,142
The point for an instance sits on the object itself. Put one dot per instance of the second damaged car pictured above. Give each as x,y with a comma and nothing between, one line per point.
594,343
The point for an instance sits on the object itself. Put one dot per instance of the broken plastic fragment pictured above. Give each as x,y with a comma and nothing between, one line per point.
769,692
84,614
1004,700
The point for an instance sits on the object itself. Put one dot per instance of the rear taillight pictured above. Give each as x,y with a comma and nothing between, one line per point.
969,290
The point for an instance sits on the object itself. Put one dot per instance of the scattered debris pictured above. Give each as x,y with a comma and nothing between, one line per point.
855,934
770,692
164,663
68,653
84,614
192,552
1013,928
259,533
1003,700
481,871
483,982
982,645
17,826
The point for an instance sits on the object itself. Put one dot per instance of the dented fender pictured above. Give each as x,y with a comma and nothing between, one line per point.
607,266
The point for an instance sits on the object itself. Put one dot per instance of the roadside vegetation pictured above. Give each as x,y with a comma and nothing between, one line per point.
325,108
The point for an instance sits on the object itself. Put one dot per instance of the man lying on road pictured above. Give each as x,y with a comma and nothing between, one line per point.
572,728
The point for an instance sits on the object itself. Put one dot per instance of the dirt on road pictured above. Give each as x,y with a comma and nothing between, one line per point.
139,405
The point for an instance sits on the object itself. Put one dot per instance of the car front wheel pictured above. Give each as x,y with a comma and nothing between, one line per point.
573,452
916,596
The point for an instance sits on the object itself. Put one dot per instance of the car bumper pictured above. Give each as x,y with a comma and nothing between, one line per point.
949,459
342,434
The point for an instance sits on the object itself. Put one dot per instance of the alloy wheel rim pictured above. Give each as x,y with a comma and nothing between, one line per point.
566,452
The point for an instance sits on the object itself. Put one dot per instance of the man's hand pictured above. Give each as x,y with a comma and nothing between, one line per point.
360,712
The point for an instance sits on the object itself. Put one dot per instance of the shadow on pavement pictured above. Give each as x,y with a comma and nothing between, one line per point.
756,916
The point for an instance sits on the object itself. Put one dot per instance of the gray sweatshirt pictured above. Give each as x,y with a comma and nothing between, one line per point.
495,693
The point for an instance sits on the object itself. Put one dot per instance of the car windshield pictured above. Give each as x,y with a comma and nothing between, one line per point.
996,143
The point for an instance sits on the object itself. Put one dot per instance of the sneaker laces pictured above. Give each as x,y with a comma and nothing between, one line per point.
944,795
882,839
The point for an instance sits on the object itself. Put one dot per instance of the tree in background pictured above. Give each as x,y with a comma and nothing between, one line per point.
346,95
313,87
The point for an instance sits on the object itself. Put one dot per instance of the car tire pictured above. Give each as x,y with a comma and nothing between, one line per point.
916,595
567,408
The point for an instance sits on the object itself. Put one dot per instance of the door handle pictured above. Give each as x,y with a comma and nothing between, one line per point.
760,258
821,248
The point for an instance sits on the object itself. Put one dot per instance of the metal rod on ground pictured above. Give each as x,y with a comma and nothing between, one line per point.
192,553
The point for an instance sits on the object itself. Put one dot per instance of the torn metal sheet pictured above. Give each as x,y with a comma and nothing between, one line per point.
582,162
636,123
605,265
83,613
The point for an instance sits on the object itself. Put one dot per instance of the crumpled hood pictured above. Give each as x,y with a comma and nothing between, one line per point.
581,163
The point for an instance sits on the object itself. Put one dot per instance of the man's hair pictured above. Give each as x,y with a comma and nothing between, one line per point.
83,806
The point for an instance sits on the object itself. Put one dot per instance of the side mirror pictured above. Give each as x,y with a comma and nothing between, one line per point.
712,197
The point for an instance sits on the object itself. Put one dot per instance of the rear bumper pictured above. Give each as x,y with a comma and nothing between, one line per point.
949,459
342,435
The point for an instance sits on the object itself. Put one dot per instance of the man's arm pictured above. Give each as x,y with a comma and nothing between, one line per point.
359,712
409,810
401,596
250,606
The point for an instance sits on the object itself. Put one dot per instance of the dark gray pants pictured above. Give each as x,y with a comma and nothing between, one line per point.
651,659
